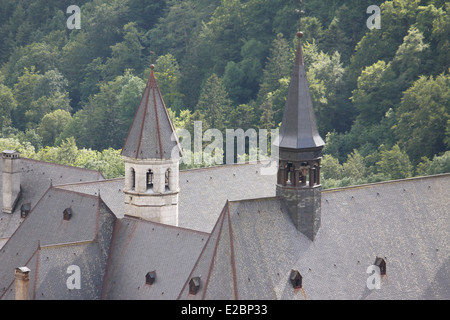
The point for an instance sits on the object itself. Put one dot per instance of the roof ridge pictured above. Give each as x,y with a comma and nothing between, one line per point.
365,185
216,244
163,225
31,211
225,165
62,165
60,186
56,188
67,244
26,263
217,224
233,263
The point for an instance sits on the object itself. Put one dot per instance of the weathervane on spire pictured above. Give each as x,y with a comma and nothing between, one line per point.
300,12
300,16
152,54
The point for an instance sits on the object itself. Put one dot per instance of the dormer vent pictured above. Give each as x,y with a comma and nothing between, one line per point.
194,285
296,279
381,263
67,214
150,277
25,210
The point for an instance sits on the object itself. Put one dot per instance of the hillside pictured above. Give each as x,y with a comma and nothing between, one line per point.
381,96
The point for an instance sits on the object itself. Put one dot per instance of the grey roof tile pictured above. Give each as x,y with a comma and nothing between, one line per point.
36,178
139,247
405,222
202,192
45,228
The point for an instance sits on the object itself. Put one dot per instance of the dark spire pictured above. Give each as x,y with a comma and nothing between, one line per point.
150,135
298,128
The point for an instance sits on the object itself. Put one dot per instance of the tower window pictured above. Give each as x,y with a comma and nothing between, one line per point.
149,179
133,178
290,173
167,177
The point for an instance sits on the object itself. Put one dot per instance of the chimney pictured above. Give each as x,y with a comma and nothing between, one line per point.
22,283
11,179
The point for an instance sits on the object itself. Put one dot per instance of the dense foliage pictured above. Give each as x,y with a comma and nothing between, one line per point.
382,96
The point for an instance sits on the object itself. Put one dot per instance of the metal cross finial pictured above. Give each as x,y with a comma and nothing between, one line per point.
300,16
152,53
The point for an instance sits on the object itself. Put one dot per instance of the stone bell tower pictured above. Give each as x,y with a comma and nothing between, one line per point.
300,148
152,154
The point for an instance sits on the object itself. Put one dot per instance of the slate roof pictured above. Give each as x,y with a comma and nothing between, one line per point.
140,247
298,127
36,177
254,246
48,245
152,135
202,192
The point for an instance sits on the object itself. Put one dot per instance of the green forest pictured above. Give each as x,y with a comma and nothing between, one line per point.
381,96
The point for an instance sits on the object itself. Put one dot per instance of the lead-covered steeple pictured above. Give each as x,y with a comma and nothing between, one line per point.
298,128
300,148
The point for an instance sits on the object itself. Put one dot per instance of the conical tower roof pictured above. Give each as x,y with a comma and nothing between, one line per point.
298,128
152,134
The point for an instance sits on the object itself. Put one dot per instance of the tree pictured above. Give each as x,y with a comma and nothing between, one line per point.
214,103
128,99
126,54
373,97
266,120
75,65
407,62
440,164
381,44
423,117
440,42
103,23
106,117
394,163
24,92
65,154
93,77
331,168
324,74
109,162
278,66
40,56
225,32
241,79
242,117
52,125
7,105
312,30
354,167
168,74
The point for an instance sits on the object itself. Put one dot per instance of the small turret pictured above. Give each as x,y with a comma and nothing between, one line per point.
152,153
